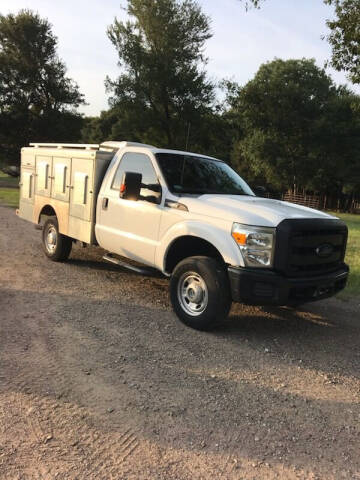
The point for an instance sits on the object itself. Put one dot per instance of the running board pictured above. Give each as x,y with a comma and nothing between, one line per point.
148,271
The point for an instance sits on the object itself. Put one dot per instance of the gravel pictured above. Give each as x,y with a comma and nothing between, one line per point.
99,380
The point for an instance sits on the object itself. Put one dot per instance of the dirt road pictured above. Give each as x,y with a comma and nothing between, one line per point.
98,380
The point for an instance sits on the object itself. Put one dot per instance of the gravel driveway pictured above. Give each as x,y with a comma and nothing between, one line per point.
98,380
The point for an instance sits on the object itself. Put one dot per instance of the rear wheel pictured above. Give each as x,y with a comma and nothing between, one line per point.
56,246
200,292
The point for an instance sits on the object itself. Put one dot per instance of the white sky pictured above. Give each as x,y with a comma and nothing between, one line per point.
242,40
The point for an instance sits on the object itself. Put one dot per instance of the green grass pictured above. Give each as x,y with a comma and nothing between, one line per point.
9,190
6,181
9,197
352,253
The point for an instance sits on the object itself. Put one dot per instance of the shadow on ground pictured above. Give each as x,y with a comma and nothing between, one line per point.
271,386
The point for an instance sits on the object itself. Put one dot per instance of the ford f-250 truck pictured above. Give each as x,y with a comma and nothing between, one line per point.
188,216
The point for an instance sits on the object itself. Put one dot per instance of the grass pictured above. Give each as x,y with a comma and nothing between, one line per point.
9,197
352,253
9,191
7,181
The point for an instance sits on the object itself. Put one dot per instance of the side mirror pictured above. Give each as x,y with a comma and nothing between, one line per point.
260,191
130,186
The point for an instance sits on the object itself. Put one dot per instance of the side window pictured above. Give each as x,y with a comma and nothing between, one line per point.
139,163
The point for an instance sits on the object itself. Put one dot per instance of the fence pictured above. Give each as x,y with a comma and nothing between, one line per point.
312,201
342,203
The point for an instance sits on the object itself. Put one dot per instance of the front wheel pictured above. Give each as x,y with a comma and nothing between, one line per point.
200,292
56,246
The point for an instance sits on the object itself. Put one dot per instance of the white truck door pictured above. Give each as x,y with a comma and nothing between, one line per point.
127,227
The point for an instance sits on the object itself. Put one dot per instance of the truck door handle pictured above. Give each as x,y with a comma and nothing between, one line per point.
105,203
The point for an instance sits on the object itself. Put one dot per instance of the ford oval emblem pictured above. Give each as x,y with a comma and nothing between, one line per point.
324,250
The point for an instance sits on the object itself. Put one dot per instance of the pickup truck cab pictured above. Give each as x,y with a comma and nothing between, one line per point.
189,216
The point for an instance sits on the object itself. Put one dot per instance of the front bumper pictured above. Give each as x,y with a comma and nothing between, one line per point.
266,287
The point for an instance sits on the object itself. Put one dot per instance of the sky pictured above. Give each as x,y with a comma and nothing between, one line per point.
241,40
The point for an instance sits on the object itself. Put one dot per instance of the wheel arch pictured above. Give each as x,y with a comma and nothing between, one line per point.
189,246
46,212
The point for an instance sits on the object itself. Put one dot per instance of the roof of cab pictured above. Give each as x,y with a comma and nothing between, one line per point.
119,145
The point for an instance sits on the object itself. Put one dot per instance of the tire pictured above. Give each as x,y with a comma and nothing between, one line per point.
203,280
56,246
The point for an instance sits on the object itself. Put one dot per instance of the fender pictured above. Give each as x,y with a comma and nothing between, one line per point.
61,210
218,235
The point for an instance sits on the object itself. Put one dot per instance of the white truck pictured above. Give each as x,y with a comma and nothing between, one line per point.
188,216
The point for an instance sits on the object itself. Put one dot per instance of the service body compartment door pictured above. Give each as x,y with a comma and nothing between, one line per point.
61,178
27,185
43,176
81,188
27,193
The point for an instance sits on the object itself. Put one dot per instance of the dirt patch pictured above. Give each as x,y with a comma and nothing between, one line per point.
98,380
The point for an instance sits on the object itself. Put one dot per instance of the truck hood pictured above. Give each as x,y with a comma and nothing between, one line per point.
248,209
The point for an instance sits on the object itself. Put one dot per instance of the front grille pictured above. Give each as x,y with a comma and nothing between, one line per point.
310,247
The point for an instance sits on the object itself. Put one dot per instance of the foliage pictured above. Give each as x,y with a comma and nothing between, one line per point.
338,146
37,100
352,253
290,126
252,3
279,110
345,37
162,91
299,131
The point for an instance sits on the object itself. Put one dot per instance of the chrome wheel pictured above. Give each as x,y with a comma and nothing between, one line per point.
51,239
192,293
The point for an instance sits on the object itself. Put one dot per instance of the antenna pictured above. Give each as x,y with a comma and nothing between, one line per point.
187,136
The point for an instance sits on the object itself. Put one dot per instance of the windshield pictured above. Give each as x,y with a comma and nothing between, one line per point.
192,174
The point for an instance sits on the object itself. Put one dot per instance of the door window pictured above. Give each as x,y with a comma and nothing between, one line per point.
139,163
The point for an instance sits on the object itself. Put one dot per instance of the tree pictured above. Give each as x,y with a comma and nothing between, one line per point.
345,37
254,3
162,91
339,145
37,99
283,111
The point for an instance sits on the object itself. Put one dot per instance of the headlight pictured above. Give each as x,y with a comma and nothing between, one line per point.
256,244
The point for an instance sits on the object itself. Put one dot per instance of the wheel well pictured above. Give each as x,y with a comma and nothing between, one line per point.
189,246
45,213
